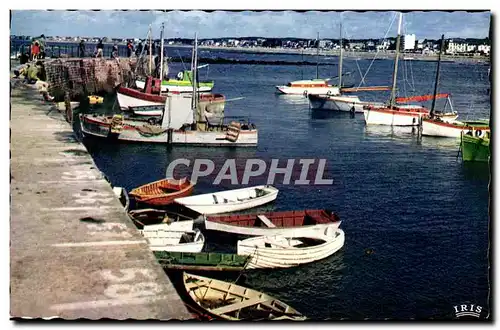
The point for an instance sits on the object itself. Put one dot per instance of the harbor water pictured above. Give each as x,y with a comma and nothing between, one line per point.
415,216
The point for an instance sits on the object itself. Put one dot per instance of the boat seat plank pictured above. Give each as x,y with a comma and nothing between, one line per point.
237,306
266,221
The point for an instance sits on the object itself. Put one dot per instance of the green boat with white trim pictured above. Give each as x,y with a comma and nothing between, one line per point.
207,261
474,148
181,84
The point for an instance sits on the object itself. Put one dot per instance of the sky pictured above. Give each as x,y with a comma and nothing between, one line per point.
184,24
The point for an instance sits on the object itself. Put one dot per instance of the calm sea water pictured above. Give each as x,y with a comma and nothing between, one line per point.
422,211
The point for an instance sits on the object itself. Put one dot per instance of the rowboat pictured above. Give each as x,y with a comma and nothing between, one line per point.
476,149
122,194
162,192
151,220
61,106
206,261
233,302
230,200
174,240
284,251
274,223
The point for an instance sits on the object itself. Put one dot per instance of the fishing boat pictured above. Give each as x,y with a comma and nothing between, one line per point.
284,251
175,240
183,122
475,149
232,302
122,195
230,200
392,114
342,101
205,261
274,223
311,86
133,98
182,84
162,192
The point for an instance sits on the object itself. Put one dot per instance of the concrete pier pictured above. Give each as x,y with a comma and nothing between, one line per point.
74,253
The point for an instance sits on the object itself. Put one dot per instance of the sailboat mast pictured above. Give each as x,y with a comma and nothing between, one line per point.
317,59
194,63
150,50
161,51
437,76
340,57
396,60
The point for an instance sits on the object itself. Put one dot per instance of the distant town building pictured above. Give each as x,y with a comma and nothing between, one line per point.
484,49
420,44
409,41
455,47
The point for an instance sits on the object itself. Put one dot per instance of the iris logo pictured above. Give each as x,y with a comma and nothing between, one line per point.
468,310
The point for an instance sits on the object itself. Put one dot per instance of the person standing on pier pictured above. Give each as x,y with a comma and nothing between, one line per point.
130,48
100,47
35,50
81,49
138,50
114,51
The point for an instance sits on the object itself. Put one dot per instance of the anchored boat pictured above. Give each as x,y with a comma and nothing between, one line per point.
230,200
206,261
284,251
475,149
175,241
162,192
233,302
151,220
274,223
182,84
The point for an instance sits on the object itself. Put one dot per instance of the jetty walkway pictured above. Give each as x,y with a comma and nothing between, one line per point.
74,253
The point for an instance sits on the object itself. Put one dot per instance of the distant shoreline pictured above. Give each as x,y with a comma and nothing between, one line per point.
312,51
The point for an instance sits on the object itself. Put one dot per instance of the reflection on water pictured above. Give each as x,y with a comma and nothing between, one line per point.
293,98
382,132
327,114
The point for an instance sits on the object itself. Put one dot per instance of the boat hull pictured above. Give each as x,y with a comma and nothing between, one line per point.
246,138
276,257
256,231
163,240
126,101
392,117
208,209
178,88
308,90
475,149
336,103
449,130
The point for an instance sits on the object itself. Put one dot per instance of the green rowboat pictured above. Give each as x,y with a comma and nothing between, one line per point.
208,261
475,149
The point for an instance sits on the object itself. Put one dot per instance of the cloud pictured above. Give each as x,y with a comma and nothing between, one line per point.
184,24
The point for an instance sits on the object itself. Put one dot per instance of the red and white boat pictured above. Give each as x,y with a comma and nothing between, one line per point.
141,102
453,129
306,87
274,223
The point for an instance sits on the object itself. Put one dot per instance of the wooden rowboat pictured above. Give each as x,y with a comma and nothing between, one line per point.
230,200
175,241
288,251
233,302
206,261
162,192
291,223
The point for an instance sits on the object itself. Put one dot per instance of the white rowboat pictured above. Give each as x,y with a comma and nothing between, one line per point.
230,200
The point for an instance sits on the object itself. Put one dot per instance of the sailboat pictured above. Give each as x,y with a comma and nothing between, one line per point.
151,92
440,127
392,114
342,101
312,86
183,122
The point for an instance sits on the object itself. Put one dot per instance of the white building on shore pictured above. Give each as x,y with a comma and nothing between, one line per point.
409,41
